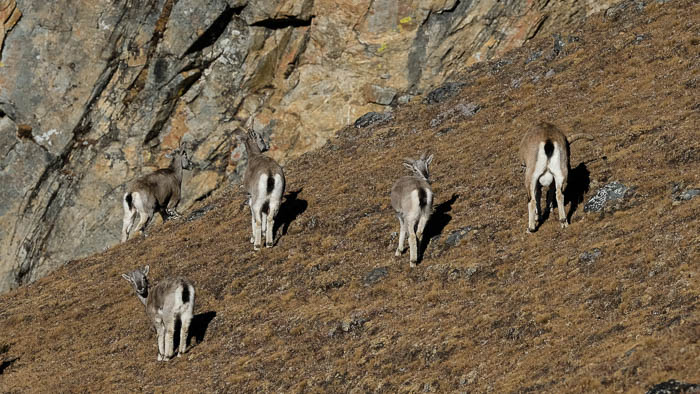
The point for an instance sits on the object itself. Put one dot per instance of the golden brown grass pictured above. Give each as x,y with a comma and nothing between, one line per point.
503,311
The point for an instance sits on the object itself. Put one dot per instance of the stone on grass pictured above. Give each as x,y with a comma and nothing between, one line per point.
464,110
610,192
674,387
375,276
371,118
686,195
444,92
457,235
590,256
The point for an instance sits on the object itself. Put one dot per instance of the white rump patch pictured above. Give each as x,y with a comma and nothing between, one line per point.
262,189
277,191
546,179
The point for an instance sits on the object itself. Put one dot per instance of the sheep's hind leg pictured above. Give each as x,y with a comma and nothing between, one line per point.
252,223
560,200
169,338
532,207
412,242
185,320
144,219
129,218
263,229
257,228
270,236
421,227
160,331
402,237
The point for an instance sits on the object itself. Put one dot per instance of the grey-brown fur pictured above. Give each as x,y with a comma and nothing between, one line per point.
159,192
170,300
264,181
545,153
412,199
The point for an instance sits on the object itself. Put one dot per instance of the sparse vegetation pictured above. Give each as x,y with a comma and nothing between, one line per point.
609,305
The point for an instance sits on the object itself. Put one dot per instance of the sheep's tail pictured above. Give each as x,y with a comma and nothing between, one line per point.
573,138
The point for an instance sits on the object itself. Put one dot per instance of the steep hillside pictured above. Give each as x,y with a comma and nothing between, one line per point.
609,304
94,93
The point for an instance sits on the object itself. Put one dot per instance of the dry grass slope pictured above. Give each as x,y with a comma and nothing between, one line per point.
501,311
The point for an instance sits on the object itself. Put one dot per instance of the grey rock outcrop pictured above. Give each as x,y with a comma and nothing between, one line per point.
674,387
605,196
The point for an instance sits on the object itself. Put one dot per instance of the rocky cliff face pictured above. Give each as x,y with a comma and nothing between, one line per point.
94,93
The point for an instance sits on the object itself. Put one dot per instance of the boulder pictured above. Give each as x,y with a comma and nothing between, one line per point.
606,196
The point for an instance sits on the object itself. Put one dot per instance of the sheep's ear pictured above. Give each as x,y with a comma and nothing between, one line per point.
408,165
241,136
264,146
428,160
145,270
127,277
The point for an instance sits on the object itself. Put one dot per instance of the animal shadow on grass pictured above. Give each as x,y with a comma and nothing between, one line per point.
577,185
6,363
290,209
438,221
198,326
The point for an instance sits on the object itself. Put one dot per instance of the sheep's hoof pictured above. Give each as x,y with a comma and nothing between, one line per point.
172,214
268,245
399,252
564,224
412,264
256,247
530,230
160,357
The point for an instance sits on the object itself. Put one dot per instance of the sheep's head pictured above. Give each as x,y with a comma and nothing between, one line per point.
420,166
262,145
186,163
180,155
254,138
139,280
